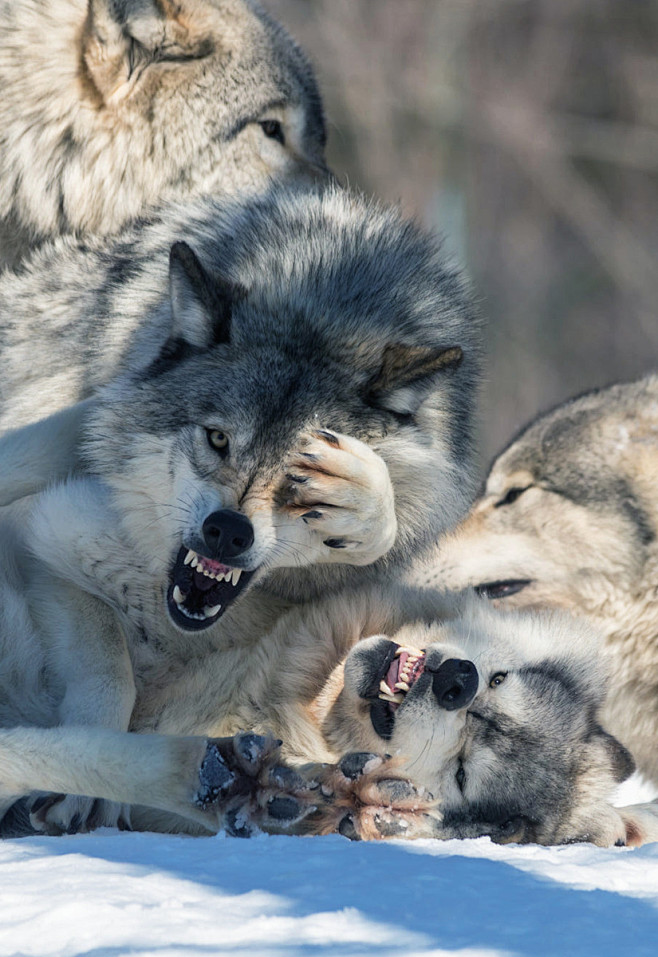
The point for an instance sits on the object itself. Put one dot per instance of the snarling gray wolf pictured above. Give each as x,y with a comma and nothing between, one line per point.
287,411
491,720
112,106
568,519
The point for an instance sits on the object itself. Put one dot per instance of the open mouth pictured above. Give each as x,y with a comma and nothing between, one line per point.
401,669
201,589
502,589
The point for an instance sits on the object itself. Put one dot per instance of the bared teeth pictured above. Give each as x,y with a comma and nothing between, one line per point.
235,576
178,595
409,651
211,610
384,688
188,558
395,698
194,561
401,686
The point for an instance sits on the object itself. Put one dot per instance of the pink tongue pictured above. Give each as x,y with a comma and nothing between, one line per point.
393,673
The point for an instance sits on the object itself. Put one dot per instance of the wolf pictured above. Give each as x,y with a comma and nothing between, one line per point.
568,519
492,722
287,412
111,107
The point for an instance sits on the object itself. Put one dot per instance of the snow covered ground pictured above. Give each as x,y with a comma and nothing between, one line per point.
110,894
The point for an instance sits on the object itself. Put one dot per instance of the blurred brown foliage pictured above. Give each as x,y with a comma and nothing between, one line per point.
527,131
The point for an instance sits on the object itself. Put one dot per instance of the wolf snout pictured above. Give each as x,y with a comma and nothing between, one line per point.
455,683
227,534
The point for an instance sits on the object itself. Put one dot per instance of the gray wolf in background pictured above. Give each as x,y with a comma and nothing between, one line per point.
496,715
289,401
112,106
568,519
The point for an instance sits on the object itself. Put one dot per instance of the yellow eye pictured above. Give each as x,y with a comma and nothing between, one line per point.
217,439
497,679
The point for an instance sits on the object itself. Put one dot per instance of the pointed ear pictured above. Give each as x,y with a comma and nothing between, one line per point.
122,38
621,760
201,305
408,375
201,308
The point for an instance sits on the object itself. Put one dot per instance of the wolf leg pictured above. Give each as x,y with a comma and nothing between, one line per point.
236,782
342,492
35,456
90,650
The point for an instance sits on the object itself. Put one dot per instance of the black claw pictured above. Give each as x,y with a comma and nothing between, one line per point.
335,542
215,777
283,809
297,479
348,829
236,824
329,436
353,765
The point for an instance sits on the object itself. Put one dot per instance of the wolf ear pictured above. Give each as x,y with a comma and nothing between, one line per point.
121,38
201,309
407,375
201,305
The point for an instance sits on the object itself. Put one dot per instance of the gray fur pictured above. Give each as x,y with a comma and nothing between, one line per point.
581,536
111,108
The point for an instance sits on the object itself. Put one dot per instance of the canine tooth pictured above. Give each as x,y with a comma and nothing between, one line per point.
395,698
179,597
384,688
402,685
194,561
188,558
211,610
235,576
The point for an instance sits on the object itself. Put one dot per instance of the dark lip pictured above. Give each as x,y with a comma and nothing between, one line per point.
384,665
219,593
503,588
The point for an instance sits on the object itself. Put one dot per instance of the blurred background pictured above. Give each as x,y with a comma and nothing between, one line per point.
527,132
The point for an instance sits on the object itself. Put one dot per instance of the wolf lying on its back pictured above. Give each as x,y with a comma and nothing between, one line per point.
291,404
569,519
510,747
111,106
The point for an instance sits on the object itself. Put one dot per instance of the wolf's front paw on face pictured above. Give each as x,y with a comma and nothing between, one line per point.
242,778
342,492
366,797
56,814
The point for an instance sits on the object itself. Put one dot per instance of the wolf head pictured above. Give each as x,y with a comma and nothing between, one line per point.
111,106
497,715
311,311
568,517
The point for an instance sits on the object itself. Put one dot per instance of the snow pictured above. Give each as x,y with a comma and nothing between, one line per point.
114,893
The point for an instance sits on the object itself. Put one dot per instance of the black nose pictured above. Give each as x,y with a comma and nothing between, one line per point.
455,683
227,534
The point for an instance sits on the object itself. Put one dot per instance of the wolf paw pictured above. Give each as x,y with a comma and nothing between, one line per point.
342,492
56,814
365,797
243,780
